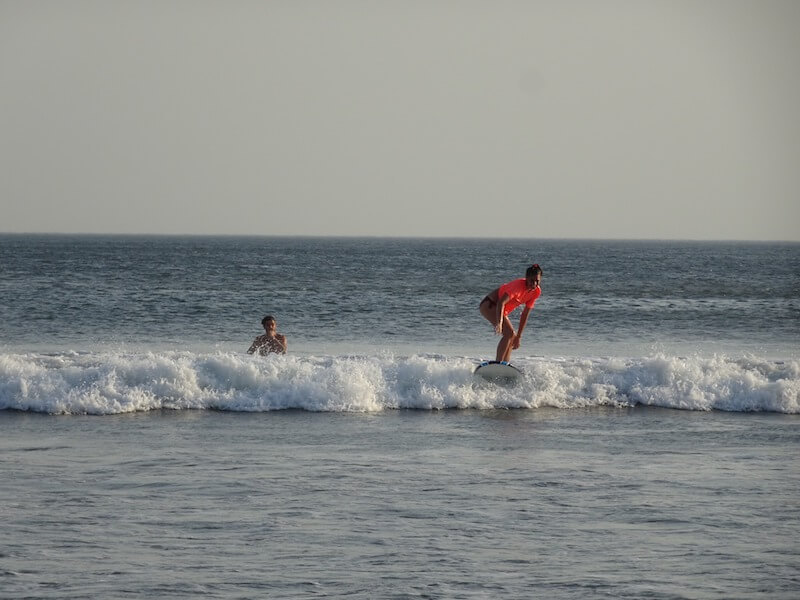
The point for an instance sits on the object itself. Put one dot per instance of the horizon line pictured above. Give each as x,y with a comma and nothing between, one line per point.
390,237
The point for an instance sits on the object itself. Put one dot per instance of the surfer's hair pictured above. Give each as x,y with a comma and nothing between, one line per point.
267,318
533,270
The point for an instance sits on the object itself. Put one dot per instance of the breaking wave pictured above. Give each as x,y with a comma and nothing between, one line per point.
102,383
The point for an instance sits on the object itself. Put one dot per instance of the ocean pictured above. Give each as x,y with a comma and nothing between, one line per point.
649,452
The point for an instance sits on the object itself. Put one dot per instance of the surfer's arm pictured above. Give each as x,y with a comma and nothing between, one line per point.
523,319
281,339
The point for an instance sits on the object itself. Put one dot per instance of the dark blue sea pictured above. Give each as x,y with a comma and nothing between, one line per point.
649,452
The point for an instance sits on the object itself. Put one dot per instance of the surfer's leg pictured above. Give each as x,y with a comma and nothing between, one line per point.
504,347
489,311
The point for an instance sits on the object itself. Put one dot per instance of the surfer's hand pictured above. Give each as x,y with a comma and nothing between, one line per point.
498,329
517,340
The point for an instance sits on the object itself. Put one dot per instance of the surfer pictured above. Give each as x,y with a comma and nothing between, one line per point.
271,341
499,303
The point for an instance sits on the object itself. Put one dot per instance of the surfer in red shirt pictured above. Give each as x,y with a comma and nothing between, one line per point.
498,304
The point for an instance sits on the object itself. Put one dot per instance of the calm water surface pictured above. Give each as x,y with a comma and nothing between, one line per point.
402,504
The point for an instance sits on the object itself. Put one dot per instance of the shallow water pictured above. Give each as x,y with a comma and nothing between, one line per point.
601,502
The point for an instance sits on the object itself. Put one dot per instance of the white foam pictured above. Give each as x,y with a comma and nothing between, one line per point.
109,382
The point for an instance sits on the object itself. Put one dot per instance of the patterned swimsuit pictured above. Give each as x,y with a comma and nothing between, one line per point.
265,344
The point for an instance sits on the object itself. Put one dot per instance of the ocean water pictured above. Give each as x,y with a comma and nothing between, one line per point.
650,451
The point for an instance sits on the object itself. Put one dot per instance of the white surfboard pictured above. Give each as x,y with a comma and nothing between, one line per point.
499,372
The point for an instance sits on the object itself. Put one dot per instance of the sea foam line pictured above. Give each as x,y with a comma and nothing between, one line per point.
111,382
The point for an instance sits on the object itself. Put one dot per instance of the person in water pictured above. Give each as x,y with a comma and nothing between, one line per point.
271,341
499,303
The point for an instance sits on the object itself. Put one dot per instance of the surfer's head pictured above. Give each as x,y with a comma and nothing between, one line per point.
268,321
533,276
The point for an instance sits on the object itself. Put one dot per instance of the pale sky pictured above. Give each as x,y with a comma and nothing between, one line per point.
673,119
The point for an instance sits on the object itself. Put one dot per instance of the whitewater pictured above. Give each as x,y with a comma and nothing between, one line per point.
119,382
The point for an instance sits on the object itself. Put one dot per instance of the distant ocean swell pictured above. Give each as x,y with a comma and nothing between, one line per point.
121,382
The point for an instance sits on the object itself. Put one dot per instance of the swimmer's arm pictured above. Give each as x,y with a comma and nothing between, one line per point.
282,341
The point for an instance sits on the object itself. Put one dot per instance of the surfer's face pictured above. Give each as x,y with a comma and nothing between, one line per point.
270,325
533,282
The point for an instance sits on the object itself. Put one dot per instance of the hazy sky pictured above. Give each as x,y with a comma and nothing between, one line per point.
600,119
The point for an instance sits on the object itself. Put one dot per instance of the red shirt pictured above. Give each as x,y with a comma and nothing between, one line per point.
518,294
